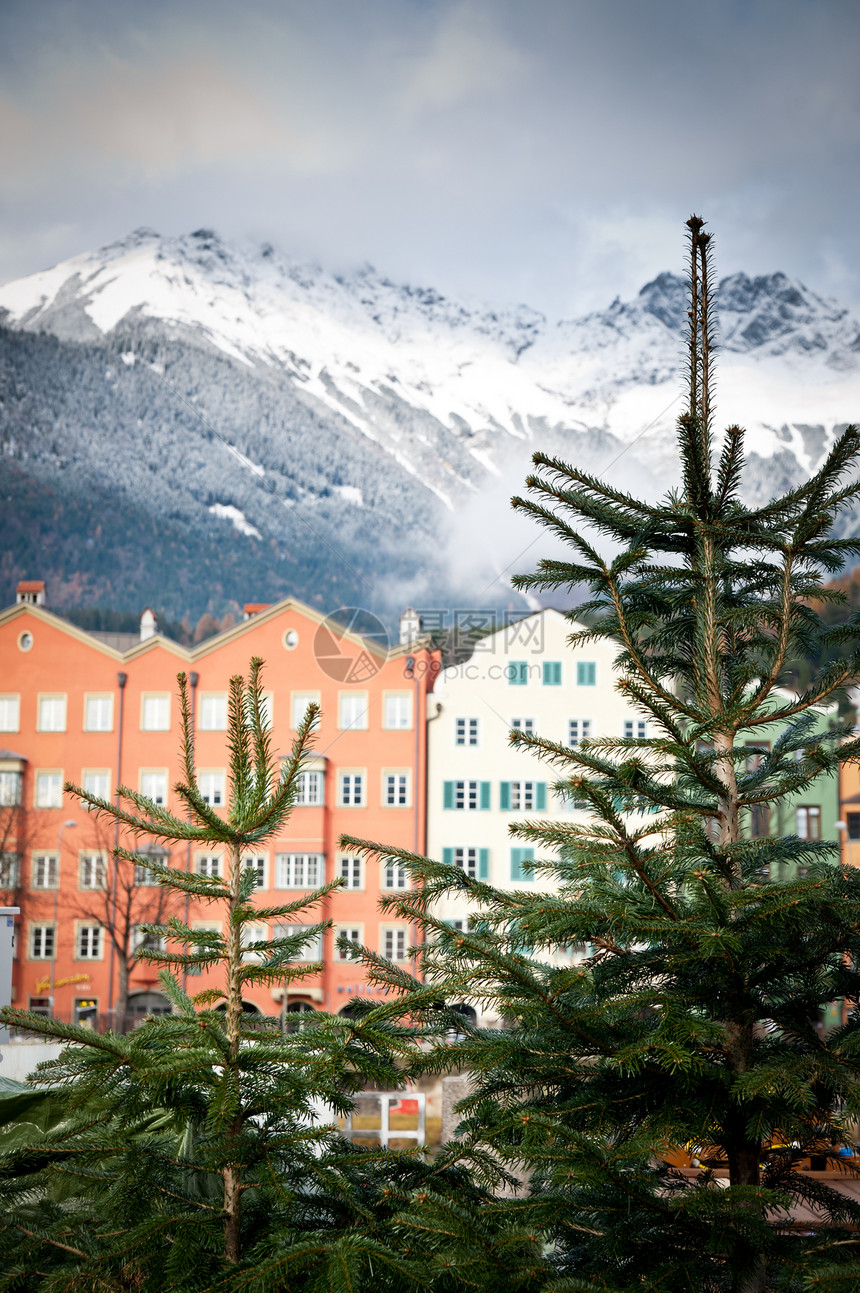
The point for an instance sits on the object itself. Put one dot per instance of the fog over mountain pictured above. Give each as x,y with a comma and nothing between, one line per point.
191,424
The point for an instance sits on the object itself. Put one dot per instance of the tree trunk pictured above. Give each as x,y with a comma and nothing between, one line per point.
232,1170
120,1019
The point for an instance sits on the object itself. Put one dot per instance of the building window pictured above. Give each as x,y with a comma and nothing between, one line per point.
212,788
143,877
41,942
298,870
40,1006
310,789
142,940
98,713
352,711
522,796
524,725
96,781
394,944
10,789
209,864
465,731
353,936
257,864
395,789
397,711
253,933
760,821
51,714
552,673
153,784
852,821
10,713
45,870
155,712
758,753
267,711
586,673
809,822
517,673
9,870
49,789
92,870
213,712
635,729
352,789
518,857
395,875
89,942
468,859
299,706
311,948
468,795
578,729
352,873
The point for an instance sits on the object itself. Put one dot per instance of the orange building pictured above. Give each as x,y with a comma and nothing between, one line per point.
101,710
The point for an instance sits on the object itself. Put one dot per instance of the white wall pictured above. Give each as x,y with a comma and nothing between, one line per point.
19,1059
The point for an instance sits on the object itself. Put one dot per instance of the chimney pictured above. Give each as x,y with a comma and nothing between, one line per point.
148,625
31,592
410,627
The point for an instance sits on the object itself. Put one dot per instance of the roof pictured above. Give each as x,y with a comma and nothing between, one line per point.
13,754
31,586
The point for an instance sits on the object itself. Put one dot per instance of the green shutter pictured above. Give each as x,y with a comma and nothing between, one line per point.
586,673
485,794
505,796
448,857
448,800
540,796
518,856
518,673
552,673
483,864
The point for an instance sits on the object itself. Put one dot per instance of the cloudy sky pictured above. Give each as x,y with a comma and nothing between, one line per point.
538,150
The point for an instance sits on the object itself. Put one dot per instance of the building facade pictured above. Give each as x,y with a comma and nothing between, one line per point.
103,711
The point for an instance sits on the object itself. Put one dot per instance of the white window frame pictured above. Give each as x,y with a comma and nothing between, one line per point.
354,931
253,932
471,789
103,774
299,701
10,869
216,795
392,701
40,864
310,867
468,865
303,801
52,698
92,869
145,778
42,926
209,864
394,939
146,697
267,710
638,729
11,787
94,940
40,801
205,703
523,724
467,727
99,697
347,701
313,949
394,875
350,801
259,864
523,796
10,711
350,869
137,939
584,731
402,786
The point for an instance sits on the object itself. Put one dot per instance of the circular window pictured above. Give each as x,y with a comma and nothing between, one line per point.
291,639
25,641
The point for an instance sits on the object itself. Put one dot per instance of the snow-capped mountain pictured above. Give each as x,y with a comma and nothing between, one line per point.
215,382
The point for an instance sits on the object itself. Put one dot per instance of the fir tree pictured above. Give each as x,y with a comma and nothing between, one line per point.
201,1151
693,1022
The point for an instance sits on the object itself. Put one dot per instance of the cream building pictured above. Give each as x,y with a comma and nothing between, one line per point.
526,676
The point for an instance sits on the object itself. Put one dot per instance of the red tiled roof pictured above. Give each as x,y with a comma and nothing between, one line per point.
31,586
